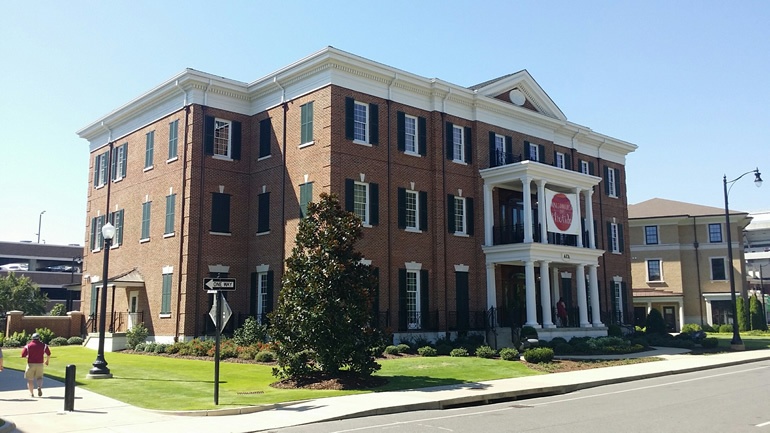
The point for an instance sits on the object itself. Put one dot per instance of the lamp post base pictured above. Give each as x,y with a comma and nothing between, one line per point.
738,347
99,375
100,370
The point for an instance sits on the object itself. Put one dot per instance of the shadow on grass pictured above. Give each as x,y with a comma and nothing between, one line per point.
401,383
80,382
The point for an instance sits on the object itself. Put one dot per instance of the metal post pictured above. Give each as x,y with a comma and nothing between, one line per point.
216,349
736,342
69,388
100,369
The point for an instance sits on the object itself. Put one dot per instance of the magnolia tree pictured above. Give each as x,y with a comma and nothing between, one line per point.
322,322
20,293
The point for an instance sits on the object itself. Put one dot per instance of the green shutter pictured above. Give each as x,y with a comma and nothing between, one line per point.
450,219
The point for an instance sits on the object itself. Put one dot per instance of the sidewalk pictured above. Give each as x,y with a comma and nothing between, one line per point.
95,413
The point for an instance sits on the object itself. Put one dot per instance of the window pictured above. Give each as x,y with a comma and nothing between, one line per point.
413,297
222,138
715,233
363,199
585,167
534,152
97,242
146,211
100,170
265,137
500,153
165,300
411,134
618,287
654,273
460,215
261,297
500,150
116,219
306,123
615,237
651,235
220,213
305,197
361,122
458,143
173,134
560,160
611,185
412,209
718,269
413,300
263,214
149,149
119,162
170,210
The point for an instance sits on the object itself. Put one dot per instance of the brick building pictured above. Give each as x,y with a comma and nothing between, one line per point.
205,176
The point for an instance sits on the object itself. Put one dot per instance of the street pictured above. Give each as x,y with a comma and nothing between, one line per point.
729,399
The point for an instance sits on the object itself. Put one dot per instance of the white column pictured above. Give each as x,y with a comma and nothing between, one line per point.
527,193
529,277
681,315
555,285
593,283
541,211
590,218
491,287
580,280
580,237
489,216
545,294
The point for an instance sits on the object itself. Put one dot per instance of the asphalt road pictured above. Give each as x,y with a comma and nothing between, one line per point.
730,399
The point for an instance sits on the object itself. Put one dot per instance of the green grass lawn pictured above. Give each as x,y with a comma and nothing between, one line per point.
752,342
164,383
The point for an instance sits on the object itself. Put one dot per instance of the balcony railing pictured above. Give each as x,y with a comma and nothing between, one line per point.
466,320
514,234
417,321
500,158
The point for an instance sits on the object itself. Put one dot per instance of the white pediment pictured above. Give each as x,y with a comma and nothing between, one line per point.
520,89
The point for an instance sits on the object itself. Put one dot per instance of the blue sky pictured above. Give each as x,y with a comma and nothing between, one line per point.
686,81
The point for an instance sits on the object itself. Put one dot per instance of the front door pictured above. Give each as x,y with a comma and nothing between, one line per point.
133,309
670,318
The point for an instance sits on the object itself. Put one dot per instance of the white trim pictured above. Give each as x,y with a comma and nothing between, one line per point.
647,270
413,266
461,268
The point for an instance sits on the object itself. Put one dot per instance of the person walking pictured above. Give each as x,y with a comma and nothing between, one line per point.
35,351
561,311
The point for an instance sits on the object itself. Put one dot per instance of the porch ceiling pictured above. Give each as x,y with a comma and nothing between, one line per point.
518,253
511,174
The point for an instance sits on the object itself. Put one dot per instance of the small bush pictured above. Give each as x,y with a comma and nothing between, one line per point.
562,349
150,347
708,328
459,352
427,351
251,332
689,328
174,348
75,341
227,349
46,335
556,341
614,330
443,349
725,329
539,355
528,332
709,342
140,347
137,334
509,354
58,341
655,323
58,310
404,348
265,356
161,348
391,350
9,342
485,352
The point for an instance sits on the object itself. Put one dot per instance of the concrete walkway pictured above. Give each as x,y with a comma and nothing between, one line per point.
98,414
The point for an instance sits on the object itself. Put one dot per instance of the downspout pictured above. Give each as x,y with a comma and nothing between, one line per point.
697,269
283,178
443,199
182,216
388,226
199,277
607,298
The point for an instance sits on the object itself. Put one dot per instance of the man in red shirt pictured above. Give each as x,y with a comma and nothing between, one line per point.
35,351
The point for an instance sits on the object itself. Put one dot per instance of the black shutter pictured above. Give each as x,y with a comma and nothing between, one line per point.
468,145
401,125
422,136
590,167
113,165
374,124
93,234
469,216
449,141
620,237
268,307
541,153
527,153
97,167
568,161
220,213
617,182
402,313
424,298
493,159
349,103
253,296
208,135
349,195
374,204
265,130
401,208
423,210
450,218
508,150
235,141
609,237
606,183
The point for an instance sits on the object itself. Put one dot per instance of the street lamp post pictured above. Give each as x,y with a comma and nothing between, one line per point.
736,343
39,225
100,370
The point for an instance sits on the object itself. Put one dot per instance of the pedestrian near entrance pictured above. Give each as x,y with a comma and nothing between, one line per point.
561,311
35,351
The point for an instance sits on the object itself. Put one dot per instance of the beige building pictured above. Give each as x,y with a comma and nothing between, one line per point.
679,261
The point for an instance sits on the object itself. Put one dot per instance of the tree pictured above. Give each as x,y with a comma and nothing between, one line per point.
655,323
58,310
743,314
20,293
757,318
322,322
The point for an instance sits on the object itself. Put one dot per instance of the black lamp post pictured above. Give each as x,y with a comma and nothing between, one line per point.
100,370
39,225
736,343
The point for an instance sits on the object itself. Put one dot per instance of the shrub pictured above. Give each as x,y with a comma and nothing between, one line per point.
161,348
539,355
58,341
528,332
140,347
265,356
427,351
725,329
557,340
459,352
689,328
708,328
196,347
251,332
391,350
46,335
58,310
17,339
137,334
614,330
150,347
562,349
709,342
174,348
443,349
485,352
404,348
75,341
10,342
509,354
227,349
655,323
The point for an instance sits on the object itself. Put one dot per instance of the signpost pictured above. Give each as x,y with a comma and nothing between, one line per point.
220,313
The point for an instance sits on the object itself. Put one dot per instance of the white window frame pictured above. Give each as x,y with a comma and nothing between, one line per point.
414,135
167,270
366,203
357,105
261,295
500,149
618,288
149,150
615,238
458,144
146,208
560,161
413,319
660,270
120,155
721,234
461,215
534,152
657,235
220,124
612,184
416,195
303,108
585,167
711,268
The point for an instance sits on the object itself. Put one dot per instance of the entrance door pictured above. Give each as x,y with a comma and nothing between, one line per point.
670,318
133,309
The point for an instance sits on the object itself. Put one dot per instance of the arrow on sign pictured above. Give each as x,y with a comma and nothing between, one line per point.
219,283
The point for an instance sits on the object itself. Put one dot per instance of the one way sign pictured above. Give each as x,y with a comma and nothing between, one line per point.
219,284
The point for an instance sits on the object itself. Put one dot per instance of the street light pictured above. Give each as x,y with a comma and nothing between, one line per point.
100,370
39,224
736,343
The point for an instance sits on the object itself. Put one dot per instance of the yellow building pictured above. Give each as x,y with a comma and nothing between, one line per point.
679,262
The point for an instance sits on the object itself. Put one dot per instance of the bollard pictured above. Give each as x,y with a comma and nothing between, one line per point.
69,388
